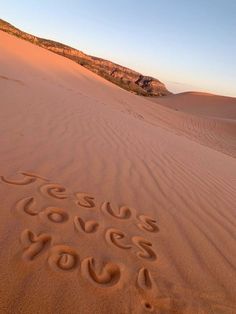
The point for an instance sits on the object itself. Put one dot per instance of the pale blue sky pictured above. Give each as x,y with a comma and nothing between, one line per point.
188,44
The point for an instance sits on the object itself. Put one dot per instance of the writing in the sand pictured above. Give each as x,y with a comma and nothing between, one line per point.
57,214
63,257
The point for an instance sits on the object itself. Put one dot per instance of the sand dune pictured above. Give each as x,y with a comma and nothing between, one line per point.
109,203
205,118
204,104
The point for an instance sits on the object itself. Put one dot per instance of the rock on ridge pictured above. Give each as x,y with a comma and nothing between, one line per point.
124,77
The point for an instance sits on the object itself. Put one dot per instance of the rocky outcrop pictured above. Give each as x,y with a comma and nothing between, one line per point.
115,73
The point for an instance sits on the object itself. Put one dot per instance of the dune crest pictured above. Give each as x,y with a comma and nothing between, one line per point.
202,104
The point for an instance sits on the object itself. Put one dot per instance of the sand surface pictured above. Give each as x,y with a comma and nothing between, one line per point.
203,104
110,203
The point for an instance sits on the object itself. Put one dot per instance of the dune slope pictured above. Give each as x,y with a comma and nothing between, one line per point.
206,118
124,77
203,104
109,203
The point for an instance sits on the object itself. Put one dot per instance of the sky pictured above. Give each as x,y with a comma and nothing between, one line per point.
187,44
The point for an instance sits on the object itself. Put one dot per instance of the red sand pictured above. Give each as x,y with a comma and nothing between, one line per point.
109,203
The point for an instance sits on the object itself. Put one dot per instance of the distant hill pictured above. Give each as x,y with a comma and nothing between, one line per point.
126,78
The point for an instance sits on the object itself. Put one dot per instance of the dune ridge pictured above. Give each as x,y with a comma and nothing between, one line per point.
124,77
206,118
109,203
203,104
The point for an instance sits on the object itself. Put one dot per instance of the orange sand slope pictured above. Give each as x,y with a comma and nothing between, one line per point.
203,104
109,203
205,118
